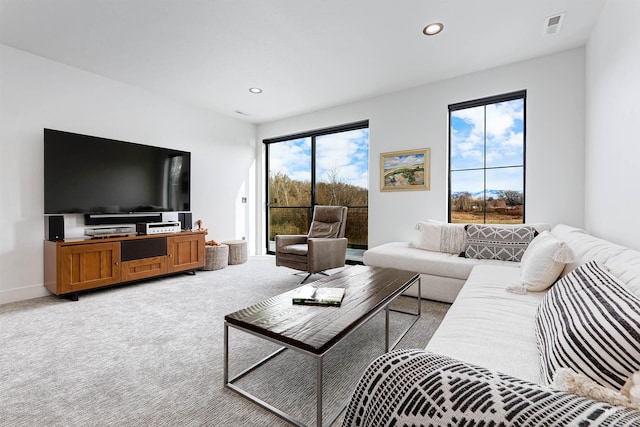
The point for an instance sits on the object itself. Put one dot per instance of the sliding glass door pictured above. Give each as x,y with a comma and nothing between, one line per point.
327,167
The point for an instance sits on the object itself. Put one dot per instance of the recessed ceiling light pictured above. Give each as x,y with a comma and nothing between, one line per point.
255,90
433,29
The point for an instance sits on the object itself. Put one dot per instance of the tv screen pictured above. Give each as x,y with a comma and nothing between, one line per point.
87,174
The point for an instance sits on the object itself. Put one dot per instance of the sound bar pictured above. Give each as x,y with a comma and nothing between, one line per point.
130,218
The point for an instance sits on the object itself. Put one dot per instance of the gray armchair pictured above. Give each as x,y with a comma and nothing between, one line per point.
324,248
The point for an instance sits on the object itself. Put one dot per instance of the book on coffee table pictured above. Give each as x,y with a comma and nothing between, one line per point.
309,294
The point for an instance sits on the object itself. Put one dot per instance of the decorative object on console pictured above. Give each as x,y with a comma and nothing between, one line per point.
405,170
199,226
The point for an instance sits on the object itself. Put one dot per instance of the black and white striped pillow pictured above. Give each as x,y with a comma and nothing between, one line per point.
589,322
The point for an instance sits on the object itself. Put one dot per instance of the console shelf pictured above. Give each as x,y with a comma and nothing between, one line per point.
75,265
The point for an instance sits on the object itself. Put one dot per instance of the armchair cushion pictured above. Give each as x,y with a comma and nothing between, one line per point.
325,229
283,240
299,249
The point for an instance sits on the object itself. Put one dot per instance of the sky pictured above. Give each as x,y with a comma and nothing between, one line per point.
398,161
345,154
504,146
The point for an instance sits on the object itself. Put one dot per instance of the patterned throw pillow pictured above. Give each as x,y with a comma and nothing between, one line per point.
590,323
498,242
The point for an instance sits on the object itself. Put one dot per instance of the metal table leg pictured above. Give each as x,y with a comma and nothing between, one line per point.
319,391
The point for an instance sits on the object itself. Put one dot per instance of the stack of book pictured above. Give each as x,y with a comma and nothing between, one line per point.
309,294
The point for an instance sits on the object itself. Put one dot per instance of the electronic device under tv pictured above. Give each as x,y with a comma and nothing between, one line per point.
91,175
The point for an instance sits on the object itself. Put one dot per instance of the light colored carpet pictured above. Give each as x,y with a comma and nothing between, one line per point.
151,353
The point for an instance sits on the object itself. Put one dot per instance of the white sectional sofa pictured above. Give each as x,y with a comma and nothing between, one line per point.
498,357
443,273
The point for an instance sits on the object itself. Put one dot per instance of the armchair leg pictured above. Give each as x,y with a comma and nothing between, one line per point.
305,279
309,275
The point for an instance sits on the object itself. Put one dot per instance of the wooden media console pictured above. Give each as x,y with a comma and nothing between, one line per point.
75,265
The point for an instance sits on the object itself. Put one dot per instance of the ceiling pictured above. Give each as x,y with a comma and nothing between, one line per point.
305,54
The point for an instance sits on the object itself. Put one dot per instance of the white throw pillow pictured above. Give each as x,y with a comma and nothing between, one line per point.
542,263
439,236
429,236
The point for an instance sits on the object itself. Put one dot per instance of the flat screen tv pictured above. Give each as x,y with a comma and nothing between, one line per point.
92,175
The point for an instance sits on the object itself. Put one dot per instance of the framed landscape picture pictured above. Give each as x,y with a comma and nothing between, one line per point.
404,170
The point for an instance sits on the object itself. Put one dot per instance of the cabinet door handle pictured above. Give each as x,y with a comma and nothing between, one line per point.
116,263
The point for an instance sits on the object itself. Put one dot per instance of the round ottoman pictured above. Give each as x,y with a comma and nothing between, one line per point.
237,251
216,257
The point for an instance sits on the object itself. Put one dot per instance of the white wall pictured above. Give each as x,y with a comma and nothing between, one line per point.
418,118
36,93
612,197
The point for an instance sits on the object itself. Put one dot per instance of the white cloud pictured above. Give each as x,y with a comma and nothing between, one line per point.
292,158
396,162
503,141
346,154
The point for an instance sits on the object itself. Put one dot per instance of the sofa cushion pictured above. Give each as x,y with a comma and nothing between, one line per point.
590,323
403,257
622,262
497,242
490,327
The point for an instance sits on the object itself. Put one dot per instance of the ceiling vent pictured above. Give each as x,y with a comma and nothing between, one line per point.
553,24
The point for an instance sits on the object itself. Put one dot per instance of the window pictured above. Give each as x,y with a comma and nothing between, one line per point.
487,160
325,167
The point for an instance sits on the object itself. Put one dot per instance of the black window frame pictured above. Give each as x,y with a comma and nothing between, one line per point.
313,134
510,96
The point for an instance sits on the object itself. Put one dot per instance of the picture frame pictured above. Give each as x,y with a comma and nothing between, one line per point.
407,170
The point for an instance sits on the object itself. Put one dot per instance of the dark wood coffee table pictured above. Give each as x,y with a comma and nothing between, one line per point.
369,290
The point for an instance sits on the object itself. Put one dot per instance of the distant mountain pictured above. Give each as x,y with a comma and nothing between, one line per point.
490,193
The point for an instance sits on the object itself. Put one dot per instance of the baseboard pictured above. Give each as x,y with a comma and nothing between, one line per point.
23,293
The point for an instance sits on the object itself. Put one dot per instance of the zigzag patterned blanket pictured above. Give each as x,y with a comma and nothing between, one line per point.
418,388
